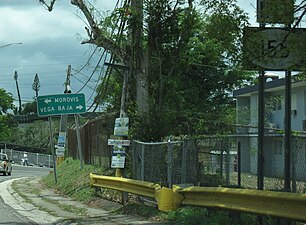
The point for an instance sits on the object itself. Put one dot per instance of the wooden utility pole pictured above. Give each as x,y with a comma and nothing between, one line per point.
18,92
64,117
139,59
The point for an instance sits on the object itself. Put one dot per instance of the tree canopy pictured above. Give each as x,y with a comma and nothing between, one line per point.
6,119
6,101
180,60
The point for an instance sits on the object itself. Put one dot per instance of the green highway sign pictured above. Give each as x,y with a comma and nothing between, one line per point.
48,105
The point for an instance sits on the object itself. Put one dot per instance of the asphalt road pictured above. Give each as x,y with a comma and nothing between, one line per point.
7,214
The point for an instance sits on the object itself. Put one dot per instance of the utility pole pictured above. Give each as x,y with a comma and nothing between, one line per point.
138,61
64,117
67,83
18,92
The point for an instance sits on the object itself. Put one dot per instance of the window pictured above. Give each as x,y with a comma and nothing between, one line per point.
275,102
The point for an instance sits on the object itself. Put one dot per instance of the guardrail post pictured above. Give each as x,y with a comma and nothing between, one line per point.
164,198
168,199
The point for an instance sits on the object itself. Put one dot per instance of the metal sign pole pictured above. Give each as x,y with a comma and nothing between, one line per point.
52,149
261,131
287,159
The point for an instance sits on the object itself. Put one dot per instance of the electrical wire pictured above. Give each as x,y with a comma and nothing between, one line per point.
97,83
93,72
109,70
78,71
82,83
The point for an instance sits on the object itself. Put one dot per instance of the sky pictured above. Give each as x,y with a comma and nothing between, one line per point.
50,42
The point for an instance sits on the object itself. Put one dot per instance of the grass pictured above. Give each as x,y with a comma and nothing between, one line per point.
74,183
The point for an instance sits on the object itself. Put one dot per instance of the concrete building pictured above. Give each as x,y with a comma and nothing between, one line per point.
247,116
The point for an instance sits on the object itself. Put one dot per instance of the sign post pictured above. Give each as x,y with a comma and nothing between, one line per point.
119,143
62,104
274,49
52,149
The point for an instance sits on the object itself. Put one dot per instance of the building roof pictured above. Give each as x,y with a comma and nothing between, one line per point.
271,86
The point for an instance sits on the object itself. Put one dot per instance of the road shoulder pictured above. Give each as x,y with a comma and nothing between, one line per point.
42,205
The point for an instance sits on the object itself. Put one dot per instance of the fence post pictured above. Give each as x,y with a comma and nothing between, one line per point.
11,154
221,163
239,163
293,160
228,160
184,161
169,164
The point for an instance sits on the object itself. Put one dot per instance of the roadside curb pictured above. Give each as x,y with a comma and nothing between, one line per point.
30,199
14,200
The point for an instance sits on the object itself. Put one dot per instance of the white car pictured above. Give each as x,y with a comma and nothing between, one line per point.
5,165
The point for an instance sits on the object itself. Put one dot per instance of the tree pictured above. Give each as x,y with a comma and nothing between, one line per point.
36,134
29,108
6,101
6,119
182,62
36,85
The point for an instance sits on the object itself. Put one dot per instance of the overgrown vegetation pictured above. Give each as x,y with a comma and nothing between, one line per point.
181,58
74,183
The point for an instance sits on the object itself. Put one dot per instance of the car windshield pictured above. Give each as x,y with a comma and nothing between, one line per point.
2,157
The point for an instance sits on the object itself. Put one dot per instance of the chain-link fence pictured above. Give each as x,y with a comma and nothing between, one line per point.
36,159
220,160
165,163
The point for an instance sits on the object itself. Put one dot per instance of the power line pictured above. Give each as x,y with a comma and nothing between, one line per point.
28,84
93,72
78,71
83,83
34,65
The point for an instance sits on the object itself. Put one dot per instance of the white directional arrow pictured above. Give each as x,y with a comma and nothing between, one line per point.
47,101
79,107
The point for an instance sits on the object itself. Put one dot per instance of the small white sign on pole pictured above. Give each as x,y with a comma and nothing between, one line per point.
60,151
119,142
118,157
121,126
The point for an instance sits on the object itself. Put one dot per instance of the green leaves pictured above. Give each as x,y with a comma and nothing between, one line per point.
6,101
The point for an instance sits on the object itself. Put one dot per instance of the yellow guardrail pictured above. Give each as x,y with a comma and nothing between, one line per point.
142,188
270,203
